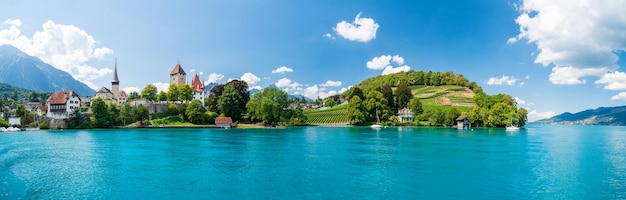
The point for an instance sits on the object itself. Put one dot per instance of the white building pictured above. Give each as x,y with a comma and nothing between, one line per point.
405,115
61,104
198,88
114,94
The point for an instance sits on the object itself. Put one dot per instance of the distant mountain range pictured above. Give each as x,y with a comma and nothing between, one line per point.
614,116
21,70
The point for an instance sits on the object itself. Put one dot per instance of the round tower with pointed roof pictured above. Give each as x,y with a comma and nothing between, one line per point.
178,75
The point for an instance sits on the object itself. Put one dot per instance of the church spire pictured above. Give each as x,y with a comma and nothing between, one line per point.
115,79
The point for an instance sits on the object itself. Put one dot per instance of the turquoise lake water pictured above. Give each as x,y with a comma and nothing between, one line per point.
539,162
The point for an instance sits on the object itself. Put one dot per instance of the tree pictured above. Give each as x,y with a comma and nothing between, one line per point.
126,112
416,107
3,123
228,103
115,115
133,95
356,91
195,112
20,111
162,96
182,108
269,105
186,92
523,116
500,115
214,95
450,118
356,111
77,121
388,94
140,113
244,94
149,92
376,106
172,110
330,102
297,117
101,118
173,94
403,95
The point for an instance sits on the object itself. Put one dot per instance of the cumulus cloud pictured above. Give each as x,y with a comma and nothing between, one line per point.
508,80
330,83
620,96
315,91
161,86
613,81
573,75
128,90
398,60
534,115
379,62
66,47
579,37
361,29
252,80
392,70
286,83
384,62
328,35
282,70
214,77
520,101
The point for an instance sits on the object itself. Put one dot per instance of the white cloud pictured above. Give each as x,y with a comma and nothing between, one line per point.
161,86
579,37
328,35
128,90
314,91
330,83
620,96
343,90
251,79
509,80
379,62
286,83
392,70
256,87
534,115
572,75
613,81
361,30
520,101
384,62
66,47
282,70
214,77
13,22
398,60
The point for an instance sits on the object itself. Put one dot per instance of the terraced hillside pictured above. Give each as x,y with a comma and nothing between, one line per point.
451,95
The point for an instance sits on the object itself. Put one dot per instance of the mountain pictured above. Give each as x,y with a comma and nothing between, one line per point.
614,116
29,72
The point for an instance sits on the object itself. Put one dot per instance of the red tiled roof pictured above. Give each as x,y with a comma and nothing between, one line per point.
61,97
42,107
196,84
462,117
178,70
405,111
223,120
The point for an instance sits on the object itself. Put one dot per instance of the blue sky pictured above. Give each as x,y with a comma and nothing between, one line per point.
557,56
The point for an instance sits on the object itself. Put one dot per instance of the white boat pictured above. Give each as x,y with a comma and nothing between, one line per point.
377,125
512,127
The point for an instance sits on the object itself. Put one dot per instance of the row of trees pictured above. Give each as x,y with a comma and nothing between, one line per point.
380,104
416,78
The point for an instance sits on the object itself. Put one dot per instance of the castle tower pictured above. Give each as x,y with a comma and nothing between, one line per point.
198,88
178,75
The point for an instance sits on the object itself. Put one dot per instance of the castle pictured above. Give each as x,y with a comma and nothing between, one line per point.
114,94
178,76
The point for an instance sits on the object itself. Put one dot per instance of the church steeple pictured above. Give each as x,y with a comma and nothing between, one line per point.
115,79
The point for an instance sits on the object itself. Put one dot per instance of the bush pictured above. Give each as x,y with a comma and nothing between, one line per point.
44,125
